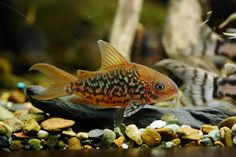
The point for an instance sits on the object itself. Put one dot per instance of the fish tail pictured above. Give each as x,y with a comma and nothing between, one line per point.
60,81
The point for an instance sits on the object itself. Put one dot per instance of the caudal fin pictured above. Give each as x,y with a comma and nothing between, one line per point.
59,81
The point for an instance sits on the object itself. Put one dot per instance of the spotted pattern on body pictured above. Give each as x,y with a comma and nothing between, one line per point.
116,87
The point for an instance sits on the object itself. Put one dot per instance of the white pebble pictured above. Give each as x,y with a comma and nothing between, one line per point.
141,130
125,146
157,124
234,140
185,126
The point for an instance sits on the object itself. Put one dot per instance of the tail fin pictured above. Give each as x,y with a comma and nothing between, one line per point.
59,81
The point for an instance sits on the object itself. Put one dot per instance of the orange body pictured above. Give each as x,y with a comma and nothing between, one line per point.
118,83
118,86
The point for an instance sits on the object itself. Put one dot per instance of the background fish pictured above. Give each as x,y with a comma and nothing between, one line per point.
186,37
118,83
201,87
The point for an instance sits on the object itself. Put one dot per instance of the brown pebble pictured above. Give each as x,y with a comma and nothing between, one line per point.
227,138
87,147
17,96
31,127
207,128
219,144
151,137
167,134
21,135
56,124
16,145
190,144
14,123
189,133
74,144
228,122
176,142
5,129
119,141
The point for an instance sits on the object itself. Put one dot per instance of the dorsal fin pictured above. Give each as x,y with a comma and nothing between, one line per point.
83,74
110,56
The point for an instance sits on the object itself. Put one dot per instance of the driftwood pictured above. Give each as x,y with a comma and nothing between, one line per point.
89,117
124,25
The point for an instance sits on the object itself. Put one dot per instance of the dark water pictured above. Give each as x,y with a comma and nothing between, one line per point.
183,152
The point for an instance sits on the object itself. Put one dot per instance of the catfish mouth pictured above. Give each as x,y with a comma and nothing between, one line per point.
173,99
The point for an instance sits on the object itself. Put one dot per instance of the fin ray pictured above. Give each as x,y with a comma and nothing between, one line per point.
110,56
59,81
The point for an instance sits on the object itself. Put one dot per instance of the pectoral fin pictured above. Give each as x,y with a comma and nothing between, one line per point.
132,108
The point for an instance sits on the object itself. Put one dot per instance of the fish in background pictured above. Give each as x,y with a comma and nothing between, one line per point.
186,37
201,87
117,84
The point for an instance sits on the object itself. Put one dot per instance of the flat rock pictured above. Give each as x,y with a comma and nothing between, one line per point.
91,117
56,124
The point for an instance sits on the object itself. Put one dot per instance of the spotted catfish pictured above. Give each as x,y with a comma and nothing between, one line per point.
117,84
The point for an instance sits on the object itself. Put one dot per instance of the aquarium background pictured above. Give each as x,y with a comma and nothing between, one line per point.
64,33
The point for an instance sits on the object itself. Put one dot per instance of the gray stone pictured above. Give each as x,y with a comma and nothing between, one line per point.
108,137
206,141
4,142
96,133
215,135
52,141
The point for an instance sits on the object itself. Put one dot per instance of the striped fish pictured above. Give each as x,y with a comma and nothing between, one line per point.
117,84
201,87
186,35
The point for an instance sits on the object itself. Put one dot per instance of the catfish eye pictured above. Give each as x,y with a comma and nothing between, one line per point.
160,86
